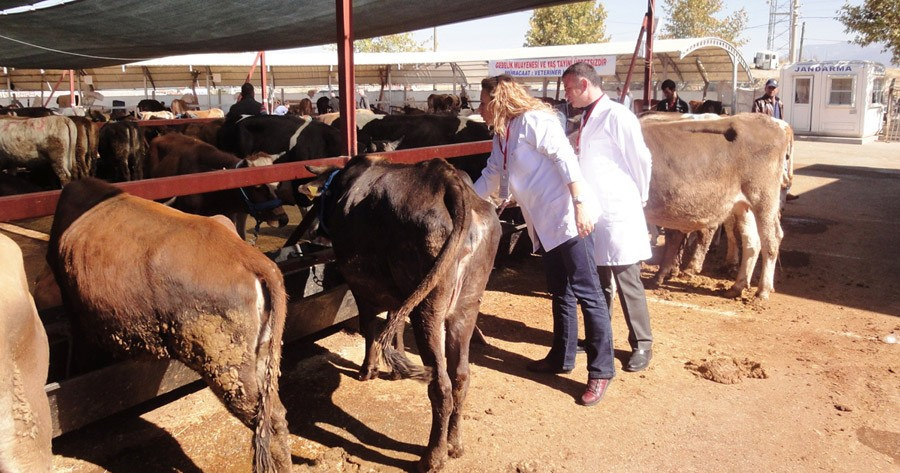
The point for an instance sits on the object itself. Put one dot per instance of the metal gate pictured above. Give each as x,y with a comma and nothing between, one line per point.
891,131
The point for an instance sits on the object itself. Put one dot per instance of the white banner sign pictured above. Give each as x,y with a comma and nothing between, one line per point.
604,65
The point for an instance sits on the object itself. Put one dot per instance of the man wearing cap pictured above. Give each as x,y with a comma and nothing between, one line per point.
672,103
771,105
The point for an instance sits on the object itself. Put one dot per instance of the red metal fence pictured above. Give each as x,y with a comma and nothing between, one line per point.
44,203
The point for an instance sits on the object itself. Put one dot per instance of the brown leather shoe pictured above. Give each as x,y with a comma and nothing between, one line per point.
544,366
594,391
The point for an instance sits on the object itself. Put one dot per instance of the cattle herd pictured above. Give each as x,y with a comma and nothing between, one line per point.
428,261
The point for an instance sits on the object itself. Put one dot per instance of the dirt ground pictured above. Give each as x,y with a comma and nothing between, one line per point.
806,381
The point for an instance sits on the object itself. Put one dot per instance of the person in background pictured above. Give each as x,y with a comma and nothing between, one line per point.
616,164
247,105
305,108
672,103
280,110
771,105
323,105
533,163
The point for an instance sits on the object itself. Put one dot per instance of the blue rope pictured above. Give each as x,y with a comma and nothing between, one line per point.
322,204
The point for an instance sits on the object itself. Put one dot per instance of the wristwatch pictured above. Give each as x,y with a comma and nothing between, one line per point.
576,199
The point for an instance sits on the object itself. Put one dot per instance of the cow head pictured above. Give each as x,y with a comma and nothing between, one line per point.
262,203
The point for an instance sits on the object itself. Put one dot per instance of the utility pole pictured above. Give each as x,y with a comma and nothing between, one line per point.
795,14
434,40
802,35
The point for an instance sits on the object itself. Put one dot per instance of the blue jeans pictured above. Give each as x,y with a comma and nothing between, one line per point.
572,277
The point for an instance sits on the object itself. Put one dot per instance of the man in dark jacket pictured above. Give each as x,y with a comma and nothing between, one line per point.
672,103
247,105
770,103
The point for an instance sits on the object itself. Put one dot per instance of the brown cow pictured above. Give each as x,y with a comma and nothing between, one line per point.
179,107
122,149
176,286
25,427
86,146
176,154
32,141
206,132
414,240
733,167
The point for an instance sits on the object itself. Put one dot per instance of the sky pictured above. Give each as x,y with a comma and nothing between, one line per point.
824,37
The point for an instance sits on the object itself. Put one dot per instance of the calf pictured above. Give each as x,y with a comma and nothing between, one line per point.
178,286
25,428
414,240
733,167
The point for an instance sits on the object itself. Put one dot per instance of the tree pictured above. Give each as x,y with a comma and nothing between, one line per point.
395,43
574,23
696,18
874,22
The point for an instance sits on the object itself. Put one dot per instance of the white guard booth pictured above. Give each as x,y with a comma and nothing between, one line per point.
834,98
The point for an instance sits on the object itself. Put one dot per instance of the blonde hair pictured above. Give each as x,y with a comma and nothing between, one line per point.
509,99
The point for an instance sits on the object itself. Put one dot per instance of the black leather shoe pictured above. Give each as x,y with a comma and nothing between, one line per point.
579,347
544,366
639,360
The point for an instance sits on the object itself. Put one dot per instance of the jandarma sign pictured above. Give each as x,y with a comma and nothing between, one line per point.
821,68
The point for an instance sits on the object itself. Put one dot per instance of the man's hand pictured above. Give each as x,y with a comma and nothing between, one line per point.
582,222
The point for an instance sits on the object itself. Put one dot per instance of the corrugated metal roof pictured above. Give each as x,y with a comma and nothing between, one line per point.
695,60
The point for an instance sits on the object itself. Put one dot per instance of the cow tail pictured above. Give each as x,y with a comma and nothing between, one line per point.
268,348
790,156
456,203
71,152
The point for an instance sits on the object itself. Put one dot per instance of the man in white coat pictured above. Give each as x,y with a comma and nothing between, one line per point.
616,164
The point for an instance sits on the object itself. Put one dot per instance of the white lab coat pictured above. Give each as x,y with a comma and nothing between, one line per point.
616,164
541,163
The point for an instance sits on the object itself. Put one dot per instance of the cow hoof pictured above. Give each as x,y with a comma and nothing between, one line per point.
366,374
455,451
430,466
734,293
395,376
762,295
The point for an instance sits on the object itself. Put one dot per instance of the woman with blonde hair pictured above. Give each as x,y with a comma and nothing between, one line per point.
533,163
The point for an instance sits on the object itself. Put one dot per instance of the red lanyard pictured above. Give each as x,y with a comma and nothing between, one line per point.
584,119
505,149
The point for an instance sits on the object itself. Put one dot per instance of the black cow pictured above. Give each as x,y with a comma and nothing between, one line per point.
150,105
414,240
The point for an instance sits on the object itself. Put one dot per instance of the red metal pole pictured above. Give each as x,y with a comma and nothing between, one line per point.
347,77
637,47
265,82
53,90
253,67
648,55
